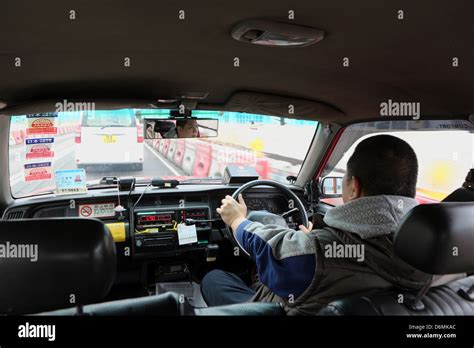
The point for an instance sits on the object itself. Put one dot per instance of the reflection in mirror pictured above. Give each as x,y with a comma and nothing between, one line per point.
181,128
331,186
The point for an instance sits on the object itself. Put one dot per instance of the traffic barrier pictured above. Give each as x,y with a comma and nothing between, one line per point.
179,152
17,137
171,149
202,162
156,144
263,168
189,157
165,148
11,140
218,161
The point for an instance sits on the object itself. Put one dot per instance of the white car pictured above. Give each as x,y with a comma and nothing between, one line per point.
109,138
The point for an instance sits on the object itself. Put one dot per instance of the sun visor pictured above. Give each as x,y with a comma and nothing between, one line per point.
274,105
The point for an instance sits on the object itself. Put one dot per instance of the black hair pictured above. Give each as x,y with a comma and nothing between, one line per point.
384,165
182,123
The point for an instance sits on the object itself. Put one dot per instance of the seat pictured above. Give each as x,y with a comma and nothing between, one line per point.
64,261
168,304
437,239
465,193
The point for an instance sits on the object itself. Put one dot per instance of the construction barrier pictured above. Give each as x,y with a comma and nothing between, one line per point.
179,152
218,164
17,137
263,168
171,149
164,145
202,161
189,157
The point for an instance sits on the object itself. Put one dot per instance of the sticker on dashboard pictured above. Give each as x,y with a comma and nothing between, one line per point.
38,171
39,148
42,124
97,210
70,181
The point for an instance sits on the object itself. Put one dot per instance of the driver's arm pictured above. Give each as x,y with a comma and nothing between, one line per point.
285,258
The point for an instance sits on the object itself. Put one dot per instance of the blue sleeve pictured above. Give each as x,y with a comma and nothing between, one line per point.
285,260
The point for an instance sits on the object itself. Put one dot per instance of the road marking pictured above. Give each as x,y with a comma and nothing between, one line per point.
175,172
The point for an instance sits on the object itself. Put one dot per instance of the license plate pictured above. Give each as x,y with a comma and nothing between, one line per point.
109,139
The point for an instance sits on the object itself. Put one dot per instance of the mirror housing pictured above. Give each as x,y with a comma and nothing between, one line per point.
331,187
188,127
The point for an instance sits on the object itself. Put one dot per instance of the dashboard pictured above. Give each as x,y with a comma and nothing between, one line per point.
149,222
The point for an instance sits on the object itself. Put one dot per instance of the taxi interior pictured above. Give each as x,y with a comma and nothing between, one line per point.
191,58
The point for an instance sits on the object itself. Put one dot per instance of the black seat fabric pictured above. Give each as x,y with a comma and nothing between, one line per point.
460,195
441,300
168,304
165,304
436,239
75,263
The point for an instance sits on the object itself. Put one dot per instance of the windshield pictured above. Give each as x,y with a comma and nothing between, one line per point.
70,152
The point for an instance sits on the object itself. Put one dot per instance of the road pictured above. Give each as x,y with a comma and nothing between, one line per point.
154,165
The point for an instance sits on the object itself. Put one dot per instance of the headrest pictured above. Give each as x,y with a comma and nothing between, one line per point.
438,238
48,264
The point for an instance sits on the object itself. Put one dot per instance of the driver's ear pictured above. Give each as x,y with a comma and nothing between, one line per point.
356,188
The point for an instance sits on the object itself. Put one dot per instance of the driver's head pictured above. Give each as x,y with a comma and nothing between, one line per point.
381,165
187,128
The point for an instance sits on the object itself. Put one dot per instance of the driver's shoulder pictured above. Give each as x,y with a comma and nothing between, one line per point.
325,235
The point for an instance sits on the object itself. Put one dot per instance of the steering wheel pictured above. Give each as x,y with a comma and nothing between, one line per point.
265,217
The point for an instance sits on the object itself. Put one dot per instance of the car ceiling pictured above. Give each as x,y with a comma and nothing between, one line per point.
402,60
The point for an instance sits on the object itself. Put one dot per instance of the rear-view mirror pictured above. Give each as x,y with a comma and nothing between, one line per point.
180,128
331,186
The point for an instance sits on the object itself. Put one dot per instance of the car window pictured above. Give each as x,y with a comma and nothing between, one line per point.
444,149
112,143
100,118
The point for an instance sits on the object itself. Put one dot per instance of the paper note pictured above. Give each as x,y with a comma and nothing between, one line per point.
187,234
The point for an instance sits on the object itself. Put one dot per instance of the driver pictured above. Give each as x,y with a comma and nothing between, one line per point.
186,128
307,269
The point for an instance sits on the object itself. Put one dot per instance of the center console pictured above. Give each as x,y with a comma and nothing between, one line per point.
156,230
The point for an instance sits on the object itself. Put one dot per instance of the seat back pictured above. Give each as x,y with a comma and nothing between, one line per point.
436,239
169,304
447,299
54,263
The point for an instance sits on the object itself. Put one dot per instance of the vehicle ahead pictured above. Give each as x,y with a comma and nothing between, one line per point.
109,138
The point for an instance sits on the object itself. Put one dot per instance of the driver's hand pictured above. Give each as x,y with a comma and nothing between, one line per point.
306,229
233,212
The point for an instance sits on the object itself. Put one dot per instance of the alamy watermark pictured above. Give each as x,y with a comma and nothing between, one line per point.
28,330
393,108
19,251
346,251
66,105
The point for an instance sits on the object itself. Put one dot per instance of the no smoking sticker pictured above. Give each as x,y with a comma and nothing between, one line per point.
97,210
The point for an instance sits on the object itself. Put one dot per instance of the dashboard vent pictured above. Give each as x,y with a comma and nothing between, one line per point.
15,215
